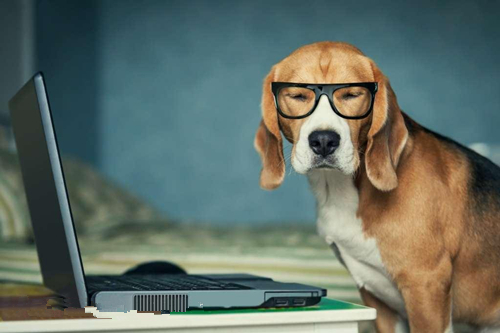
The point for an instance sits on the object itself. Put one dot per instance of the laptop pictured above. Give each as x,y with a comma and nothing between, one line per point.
59,253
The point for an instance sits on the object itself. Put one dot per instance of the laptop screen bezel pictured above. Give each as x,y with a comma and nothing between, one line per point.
46,192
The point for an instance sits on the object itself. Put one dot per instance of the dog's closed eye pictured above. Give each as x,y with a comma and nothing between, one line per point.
348,95
297,97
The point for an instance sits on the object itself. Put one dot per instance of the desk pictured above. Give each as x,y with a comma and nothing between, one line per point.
30,315
328,316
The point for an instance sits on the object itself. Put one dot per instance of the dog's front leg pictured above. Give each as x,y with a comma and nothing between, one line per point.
428,302
388,321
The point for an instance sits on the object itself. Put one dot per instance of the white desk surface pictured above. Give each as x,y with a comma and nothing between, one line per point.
338,316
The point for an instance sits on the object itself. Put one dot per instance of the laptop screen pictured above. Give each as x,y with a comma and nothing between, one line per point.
46,193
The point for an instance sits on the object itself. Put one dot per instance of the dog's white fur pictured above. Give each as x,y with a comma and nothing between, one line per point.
337,224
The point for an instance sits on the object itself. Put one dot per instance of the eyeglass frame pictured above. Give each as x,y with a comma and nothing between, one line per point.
321,89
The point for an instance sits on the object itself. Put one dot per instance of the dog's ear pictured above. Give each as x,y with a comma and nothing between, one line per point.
268,141
387,136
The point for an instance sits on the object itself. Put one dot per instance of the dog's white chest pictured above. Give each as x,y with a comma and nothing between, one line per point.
338,225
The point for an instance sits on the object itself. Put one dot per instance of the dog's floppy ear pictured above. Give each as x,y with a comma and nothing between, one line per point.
268,141
387,136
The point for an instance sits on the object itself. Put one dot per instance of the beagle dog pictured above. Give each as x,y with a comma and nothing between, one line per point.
413,216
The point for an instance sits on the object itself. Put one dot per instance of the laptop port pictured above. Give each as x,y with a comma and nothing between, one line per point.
299,302
281,302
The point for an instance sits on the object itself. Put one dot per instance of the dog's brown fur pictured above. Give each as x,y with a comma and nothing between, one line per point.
432,205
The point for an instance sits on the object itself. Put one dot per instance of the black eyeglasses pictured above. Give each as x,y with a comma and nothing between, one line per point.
348,100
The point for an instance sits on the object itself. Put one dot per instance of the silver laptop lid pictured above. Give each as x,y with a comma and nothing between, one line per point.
43,177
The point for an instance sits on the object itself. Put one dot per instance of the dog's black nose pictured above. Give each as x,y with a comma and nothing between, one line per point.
324,143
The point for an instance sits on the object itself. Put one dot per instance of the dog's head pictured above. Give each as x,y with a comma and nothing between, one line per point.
325,139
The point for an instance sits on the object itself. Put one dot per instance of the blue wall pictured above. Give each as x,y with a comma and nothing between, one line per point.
163,96
66,43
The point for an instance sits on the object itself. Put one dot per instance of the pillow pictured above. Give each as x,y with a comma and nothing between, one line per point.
96,203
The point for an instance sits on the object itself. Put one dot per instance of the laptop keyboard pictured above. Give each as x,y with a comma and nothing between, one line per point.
159,282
